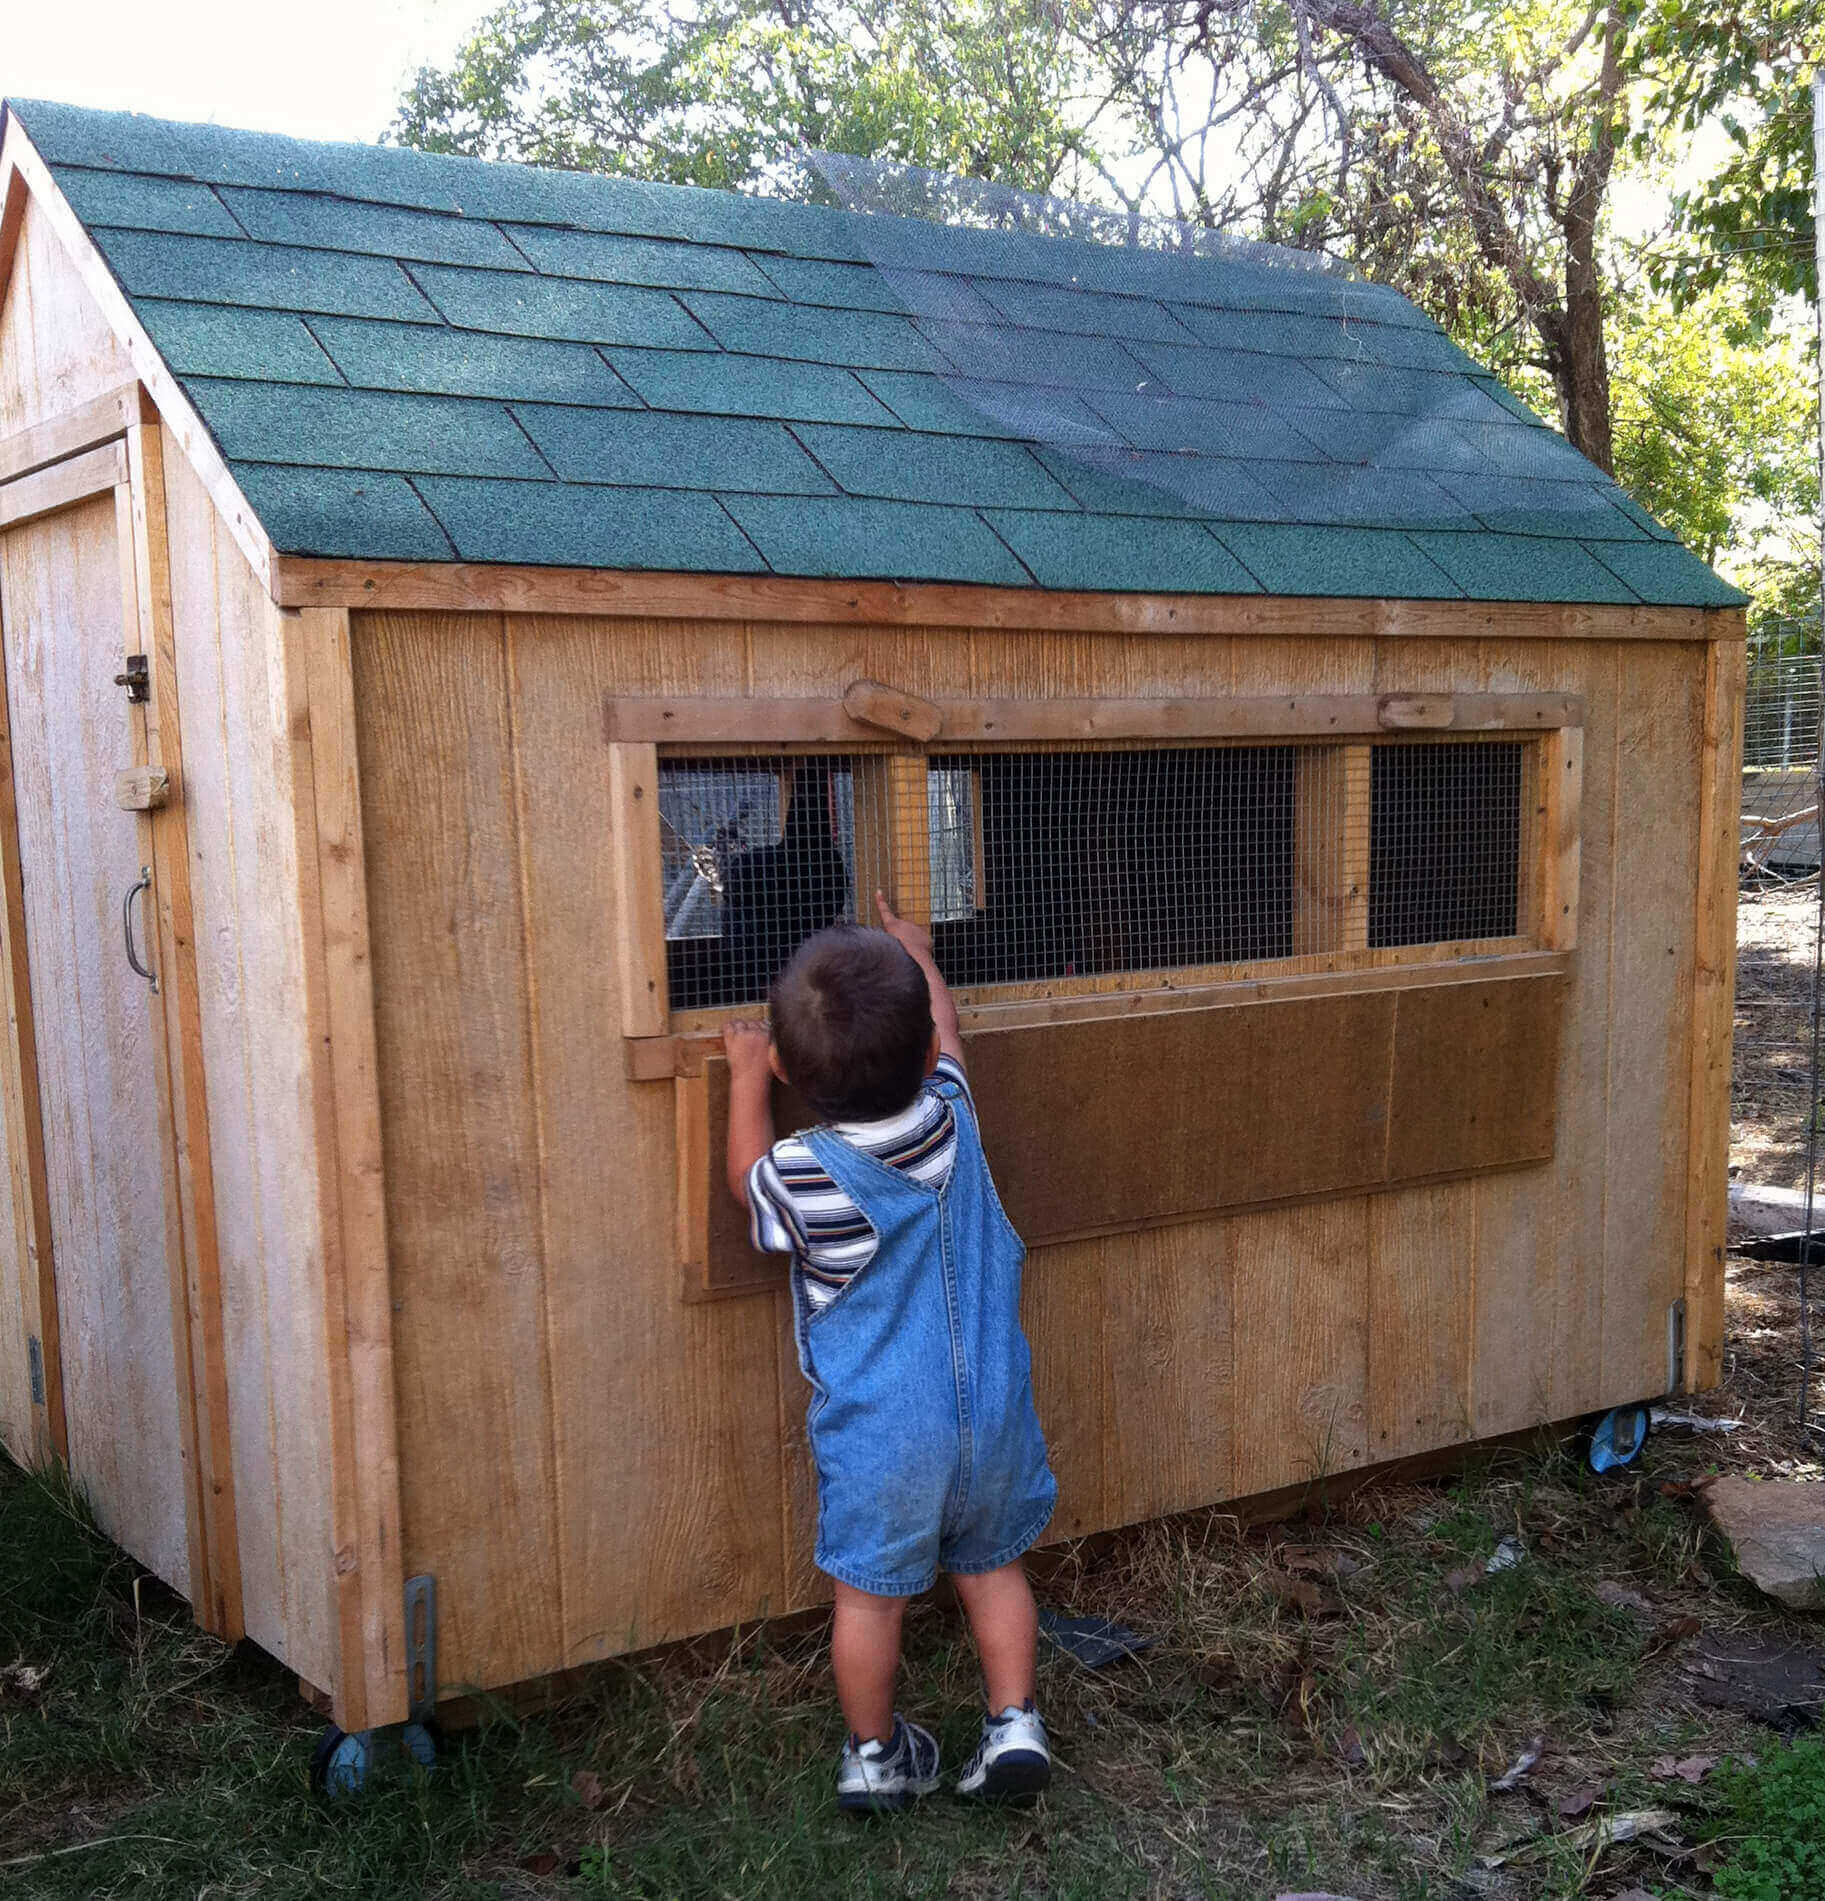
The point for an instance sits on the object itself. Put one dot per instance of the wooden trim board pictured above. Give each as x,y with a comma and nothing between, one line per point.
1713,1008
468,587
986,722
63,485
200,1340
94,423
367,1578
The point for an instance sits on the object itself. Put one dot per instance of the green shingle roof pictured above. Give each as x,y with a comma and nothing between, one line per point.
409,357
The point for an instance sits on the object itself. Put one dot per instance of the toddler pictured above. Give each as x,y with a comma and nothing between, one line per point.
905,1293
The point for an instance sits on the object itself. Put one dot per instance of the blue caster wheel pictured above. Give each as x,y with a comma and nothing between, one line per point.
419,1741
341,1763
1617,1438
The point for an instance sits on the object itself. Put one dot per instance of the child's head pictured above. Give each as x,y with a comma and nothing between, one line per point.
852,1022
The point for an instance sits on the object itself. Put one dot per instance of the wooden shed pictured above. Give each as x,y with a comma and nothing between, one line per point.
438,597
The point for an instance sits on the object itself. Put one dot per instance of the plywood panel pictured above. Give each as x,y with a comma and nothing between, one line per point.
462,1139
1476,1072
1421,1245
1301,1343
61,595
238,795
56,352
1660,723
686,1533
1067,1298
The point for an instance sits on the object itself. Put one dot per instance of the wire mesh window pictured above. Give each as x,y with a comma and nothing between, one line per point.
1075,864
1444,842
756,854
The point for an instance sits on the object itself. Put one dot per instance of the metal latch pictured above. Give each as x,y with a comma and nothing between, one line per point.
137,680
421,1647
34,1360
1676,1347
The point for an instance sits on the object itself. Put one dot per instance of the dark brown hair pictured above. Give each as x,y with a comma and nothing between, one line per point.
852,1020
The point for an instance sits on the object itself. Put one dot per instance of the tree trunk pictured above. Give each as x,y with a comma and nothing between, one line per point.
1580,359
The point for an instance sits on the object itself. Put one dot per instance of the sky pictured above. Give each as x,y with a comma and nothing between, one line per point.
327,69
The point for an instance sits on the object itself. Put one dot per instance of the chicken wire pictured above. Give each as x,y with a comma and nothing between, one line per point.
1056,863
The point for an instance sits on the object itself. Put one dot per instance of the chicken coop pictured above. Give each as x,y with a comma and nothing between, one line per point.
463,625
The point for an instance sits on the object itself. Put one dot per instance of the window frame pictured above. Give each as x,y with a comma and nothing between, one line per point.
1336,732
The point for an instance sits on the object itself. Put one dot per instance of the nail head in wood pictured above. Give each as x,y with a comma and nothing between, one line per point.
1412,711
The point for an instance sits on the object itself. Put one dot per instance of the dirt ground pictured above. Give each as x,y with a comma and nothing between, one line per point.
1776,929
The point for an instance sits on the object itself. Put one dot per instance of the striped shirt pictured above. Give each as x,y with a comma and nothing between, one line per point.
795,1208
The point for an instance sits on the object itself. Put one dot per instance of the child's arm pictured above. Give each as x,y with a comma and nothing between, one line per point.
747,1046
916,941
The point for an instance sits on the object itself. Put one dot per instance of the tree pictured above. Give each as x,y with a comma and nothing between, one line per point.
727,92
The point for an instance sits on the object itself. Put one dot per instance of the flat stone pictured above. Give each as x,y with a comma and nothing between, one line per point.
1777,1529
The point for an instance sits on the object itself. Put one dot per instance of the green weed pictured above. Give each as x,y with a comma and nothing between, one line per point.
1774,1825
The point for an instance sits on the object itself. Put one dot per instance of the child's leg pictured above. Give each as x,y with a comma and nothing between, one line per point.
1005,1624
865,1657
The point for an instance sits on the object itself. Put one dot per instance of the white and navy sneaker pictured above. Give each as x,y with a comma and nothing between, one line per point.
1012,1762
875,1775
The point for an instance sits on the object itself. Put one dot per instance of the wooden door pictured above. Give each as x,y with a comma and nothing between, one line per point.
68,619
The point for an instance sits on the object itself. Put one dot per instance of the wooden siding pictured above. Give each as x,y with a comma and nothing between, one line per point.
589,1463
239,796
56,350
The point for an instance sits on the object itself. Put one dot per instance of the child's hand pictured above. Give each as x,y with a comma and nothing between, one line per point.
748,1045
914,937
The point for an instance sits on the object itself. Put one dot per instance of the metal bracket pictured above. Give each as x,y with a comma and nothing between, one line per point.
136,678
421,1647
1676,1347
34,1360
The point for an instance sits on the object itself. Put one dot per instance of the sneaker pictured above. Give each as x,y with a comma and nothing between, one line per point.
1012,1762
879,1775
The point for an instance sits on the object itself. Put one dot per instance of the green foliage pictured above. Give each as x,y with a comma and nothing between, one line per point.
1746,67
728,92
1774,1826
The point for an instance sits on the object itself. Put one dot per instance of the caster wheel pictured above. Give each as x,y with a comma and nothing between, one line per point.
340,1763
419,1741
1617,1438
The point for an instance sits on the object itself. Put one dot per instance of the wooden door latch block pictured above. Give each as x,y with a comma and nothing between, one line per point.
869,703
142,788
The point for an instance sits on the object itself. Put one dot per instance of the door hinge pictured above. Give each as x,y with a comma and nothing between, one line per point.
34,1360
421,1647
137,679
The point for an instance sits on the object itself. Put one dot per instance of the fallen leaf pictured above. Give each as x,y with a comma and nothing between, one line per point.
1302,1594
1674,1631
1580,1801
1636,1825
1312,1561
1621,1597
1694,1769
1458,1582
1350,1750
544,1863
1519,1767
588,1787
1632,1894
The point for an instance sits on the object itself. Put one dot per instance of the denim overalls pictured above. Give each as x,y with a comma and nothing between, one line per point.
929,1454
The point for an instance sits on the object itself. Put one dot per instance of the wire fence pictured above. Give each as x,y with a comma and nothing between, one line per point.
1776,1103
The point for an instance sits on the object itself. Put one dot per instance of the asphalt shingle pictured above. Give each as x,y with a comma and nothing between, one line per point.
715,383
647,450
1237,376
660,262
855,339
1523,568
1288,558
260,276
548,524
1131,555
908,467
147,204
899,541
267,346
333,224
364,429
434,360
1664,573
340,515
516,304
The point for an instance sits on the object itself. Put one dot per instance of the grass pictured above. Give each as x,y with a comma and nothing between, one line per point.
1325,1709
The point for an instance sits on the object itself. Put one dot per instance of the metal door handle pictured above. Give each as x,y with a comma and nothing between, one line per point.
126,925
